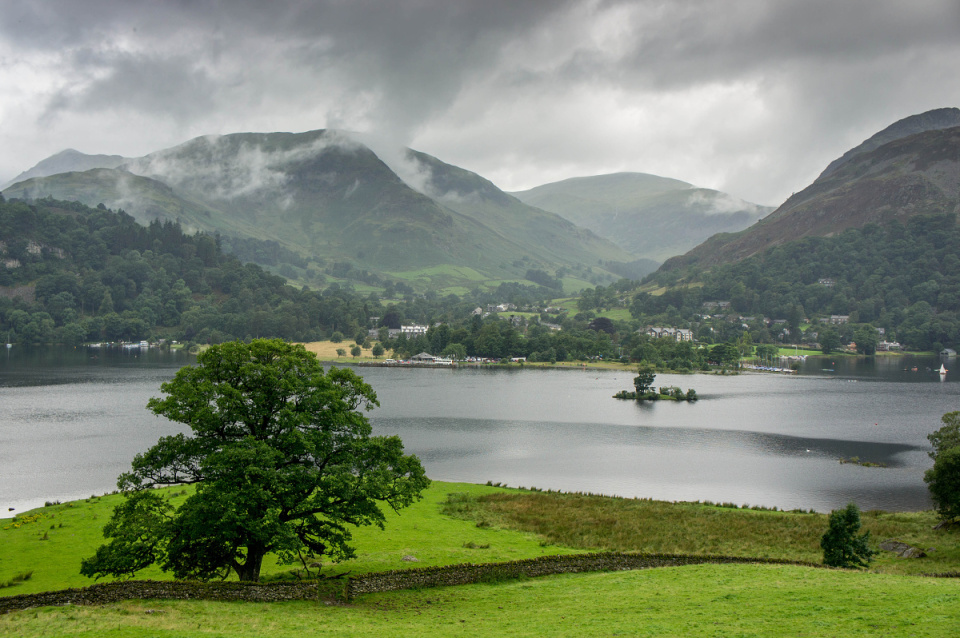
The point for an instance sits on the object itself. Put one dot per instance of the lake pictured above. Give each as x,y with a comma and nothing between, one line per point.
72,419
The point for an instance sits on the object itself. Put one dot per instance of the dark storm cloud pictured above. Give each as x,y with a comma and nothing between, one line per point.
747,95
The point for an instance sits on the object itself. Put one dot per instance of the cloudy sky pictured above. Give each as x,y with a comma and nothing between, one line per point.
751,97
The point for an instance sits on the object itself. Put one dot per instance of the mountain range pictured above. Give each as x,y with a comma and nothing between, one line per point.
329,197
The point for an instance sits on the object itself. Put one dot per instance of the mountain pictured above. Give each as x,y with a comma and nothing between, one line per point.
68,161
912,175
330,198
654,217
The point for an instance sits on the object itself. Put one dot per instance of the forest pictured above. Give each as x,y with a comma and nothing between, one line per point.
901,277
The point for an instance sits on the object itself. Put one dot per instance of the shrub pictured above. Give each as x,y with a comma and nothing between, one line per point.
842,547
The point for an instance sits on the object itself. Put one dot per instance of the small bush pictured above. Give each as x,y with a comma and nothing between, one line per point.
841,544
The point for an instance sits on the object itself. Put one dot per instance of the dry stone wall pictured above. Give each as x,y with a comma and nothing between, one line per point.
543,566
105,593
465,574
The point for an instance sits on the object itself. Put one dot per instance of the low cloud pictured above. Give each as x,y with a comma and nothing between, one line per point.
716,203
750,97
226,169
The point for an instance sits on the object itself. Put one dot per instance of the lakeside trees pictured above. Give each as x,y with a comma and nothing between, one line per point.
943,479
283,460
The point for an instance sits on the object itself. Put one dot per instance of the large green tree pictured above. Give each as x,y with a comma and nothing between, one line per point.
283,459
943,479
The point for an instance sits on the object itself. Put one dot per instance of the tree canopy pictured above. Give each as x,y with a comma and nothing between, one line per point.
283,459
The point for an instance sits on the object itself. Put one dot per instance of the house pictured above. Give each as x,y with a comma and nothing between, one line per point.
839,319
412,331
677,334
722,305
826,281
948,352
887,346
423,357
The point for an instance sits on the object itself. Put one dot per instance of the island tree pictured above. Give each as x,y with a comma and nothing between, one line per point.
283,460
646,373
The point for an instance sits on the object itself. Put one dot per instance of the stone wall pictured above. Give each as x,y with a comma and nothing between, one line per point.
543,566
105,593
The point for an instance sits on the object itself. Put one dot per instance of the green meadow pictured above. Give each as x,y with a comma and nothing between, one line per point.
465,523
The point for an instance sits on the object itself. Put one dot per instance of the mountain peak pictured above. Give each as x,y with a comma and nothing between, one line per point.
934,120
67,161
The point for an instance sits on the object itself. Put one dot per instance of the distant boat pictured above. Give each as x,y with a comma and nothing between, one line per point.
942,369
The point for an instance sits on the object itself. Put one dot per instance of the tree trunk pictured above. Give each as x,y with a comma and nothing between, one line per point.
250,570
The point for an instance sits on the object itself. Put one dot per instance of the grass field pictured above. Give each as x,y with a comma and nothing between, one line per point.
327,351
705,600
457,523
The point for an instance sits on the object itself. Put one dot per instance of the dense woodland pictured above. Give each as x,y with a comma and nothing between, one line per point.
70,274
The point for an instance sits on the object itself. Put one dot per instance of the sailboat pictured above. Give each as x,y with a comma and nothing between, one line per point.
9,345
943,371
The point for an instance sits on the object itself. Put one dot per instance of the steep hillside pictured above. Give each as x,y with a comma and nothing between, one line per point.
145,199
913,175
651,216
333,200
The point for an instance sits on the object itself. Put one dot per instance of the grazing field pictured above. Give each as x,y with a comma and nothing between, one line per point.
465,523
603,523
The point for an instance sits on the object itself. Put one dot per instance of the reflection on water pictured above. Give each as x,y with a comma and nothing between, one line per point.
71,421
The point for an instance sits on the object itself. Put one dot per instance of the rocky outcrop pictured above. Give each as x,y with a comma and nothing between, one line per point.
902,549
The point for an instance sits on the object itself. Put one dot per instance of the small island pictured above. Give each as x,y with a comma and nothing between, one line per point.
643,383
